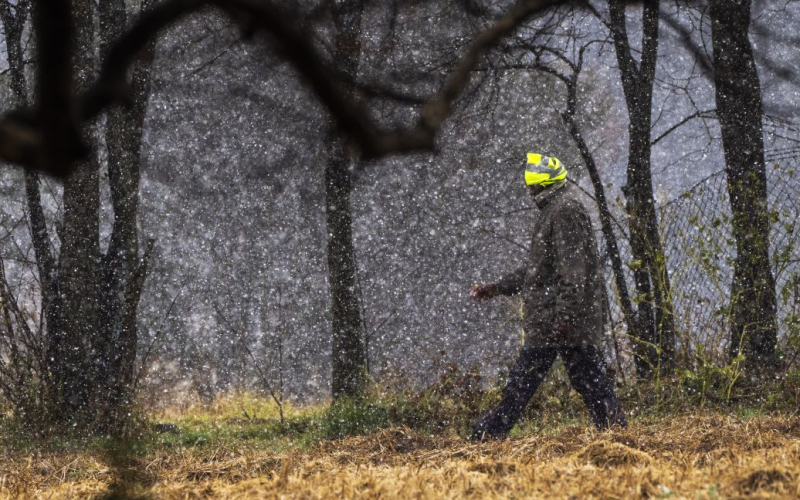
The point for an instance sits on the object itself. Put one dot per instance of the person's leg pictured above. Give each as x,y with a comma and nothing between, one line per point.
525,377
588,376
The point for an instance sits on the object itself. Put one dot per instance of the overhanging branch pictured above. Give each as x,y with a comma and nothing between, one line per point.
56,122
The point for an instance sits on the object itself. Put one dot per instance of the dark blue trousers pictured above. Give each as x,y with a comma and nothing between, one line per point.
587,375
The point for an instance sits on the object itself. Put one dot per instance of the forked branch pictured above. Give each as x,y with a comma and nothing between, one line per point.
47,138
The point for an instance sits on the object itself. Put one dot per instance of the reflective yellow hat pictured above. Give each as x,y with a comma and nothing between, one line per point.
544,170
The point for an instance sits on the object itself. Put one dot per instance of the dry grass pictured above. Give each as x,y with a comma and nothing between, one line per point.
697,456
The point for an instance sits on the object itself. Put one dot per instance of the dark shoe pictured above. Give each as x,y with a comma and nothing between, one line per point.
610,415
616,418
479,437
492,425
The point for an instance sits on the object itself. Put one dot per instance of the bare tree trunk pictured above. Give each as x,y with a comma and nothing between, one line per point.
13,26
349,377
123,269
738,95
74,366
92,338
655,347
45,261
348,364
605,214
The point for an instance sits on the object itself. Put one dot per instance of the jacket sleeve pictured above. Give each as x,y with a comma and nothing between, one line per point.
511,284
571,233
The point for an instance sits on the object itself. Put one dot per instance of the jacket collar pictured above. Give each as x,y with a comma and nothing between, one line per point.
551,193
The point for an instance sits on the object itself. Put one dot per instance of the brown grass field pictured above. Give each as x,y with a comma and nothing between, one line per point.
700,456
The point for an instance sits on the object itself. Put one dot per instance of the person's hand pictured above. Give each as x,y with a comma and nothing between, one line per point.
483,292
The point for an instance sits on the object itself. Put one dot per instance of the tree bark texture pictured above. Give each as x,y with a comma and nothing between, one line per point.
123,269
604,213
13,20
655,346
753,304
74,365
90,300
349,372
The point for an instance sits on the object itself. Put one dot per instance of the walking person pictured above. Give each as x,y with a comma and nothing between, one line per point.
563,289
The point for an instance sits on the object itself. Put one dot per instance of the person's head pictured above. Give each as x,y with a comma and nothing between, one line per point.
541,172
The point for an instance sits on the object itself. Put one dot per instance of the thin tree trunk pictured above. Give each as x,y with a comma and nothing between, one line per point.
657,331
123,269
645,345
738,96
604,213
349,376
46,264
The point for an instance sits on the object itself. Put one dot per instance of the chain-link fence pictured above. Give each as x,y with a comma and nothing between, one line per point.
699,248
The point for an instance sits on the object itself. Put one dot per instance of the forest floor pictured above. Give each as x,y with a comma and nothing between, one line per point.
701,455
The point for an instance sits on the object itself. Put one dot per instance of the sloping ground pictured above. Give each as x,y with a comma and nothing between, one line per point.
708,456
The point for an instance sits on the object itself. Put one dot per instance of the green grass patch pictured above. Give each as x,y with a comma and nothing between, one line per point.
247,421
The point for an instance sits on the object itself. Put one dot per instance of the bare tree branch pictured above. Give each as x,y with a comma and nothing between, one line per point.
24,134
56,121
698,114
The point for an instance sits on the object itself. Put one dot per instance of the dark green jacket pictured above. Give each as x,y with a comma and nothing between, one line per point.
562,280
